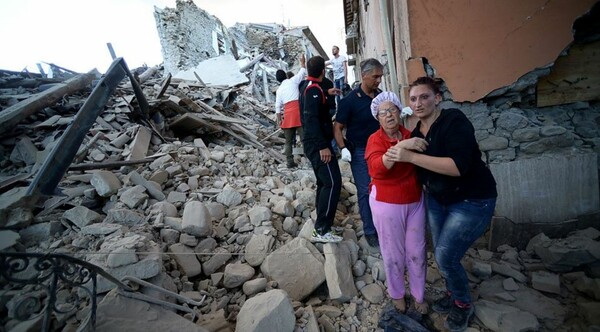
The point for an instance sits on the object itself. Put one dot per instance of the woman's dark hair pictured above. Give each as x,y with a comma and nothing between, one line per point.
433,83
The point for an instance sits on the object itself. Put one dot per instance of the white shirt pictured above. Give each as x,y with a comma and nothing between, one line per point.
338,66
288,90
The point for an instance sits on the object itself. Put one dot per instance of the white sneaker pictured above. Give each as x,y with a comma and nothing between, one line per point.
325,238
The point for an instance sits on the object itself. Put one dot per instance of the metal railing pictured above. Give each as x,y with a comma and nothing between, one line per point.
50,288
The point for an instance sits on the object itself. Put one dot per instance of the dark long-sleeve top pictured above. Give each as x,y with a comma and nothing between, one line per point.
452,135
397,185
314,114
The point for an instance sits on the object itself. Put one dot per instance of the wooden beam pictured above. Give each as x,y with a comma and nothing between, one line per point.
11,116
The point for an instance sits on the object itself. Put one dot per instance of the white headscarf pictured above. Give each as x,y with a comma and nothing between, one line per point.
382,97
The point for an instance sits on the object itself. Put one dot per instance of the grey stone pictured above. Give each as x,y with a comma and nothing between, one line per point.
545,281
124,217
283,208
186,259
270,311
100,229
169,236
216,210
257,249
229,197
509,284
8,239
547,131
106,183
40,232
526,135
481,270
166,208
188,240
507,271
197,220
338,272
373,293
258,214
493,143
290,226
82,216
120,257
300,276
218,258
237,274
119,313
134,196
498,317
176,197
254,286
511,121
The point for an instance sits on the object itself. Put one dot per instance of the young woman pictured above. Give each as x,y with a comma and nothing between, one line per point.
396,203
460,192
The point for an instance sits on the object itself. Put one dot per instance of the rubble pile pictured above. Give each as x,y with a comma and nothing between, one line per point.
213,213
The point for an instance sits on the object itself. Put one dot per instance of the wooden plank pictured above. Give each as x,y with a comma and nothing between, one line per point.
11,116
574,77
191,121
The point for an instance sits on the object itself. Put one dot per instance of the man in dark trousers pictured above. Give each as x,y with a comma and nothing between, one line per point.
318,134
354,116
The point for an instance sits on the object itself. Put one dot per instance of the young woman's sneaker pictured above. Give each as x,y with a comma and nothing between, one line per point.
459,317
325,238
443,305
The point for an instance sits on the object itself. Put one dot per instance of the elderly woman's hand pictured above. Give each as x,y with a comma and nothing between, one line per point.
415,144
399,154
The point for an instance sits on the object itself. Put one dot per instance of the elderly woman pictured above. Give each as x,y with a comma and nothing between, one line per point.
396,202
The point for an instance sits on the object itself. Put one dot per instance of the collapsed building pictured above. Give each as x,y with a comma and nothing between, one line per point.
156,198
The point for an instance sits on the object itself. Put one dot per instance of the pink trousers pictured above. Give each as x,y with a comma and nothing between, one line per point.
401,232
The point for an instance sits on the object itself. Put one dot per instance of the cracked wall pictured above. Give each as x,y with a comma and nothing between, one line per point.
479,46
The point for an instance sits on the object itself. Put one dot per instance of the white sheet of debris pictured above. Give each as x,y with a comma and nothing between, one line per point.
222,70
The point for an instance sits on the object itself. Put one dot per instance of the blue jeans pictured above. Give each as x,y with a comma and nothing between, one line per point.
454,227
360,173
339,83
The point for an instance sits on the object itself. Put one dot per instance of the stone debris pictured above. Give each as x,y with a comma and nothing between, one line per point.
209,208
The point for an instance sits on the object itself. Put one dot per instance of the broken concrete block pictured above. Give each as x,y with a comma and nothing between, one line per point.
298,277
254,286
270,311
545,281
338,272
197,220
218,258
40,232
106,183
237,274
373,293
8,239
229,197
82,216
120,257
257,249
186,259
134,196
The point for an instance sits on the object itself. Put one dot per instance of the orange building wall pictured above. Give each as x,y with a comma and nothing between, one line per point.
477,46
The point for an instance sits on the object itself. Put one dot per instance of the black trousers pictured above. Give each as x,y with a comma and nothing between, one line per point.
329,185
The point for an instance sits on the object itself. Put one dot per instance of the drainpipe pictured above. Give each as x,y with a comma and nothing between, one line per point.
385,22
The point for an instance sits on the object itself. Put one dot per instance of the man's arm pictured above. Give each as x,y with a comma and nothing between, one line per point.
301,74
338,134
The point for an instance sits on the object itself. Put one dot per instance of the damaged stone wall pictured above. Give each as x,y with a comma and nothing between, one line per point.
189,35
271,39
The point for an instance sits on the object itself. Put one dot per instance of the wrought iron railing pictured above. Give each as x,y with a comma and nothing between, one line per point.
48,289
